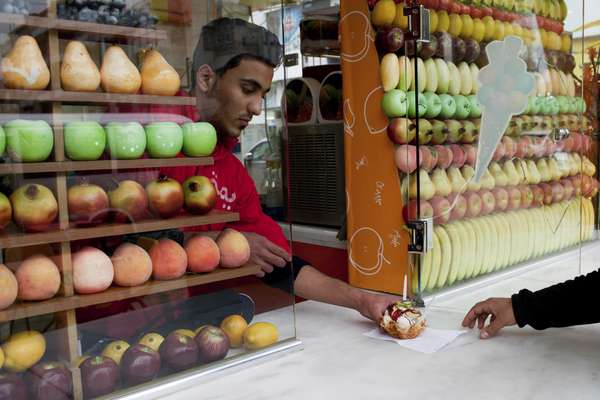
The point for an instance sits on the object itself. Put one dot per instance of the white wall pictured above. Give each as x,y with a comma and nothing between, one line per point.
575,18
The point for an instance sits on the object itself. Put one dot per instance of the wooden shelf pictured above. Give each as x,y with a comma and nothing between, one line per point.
93,97
101,165
57,304
9,240
88,29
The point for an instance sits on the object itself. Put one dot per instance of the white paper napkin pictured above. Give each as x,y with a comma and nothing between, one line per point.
428,342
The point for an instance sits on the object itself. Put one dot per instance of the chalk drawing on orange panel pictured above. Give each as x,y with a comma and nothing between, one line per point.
349,118
367,258
361,36
361,163
378,197
372,130
395,238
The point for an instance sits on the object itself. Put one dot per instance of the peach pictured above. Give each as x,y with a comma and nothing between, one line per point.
8,287
202,253
132,265
93,271
234,248
169,260
38,278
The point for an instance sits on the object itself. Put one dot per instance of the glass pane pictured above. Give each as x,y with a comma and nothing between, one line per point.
128,214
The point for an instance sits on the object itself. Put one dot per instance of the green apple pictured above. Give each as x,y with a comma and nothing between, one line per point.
563,104
572,105
463,107
29,141
434,105
125,140
553,106
534,105
544,106
448,106
581,105
475,106
394,103
199,139
417,106
84,140
2,141
164,139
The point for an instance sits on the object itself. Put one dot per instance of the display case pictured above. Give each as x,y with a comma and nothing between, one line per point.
469,146
125,267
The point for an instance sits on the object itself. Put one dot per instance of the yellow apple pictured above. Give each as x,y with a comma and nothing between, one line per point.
443,21
152,340
490,27
455,25
478,30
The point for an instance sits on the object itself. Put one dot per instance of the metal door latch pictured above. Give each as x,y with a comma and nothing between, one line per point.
421,235
560,134
418,25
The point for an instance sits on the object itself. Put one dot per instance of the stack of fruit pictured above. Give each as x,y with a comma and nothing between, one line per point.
530,176
111,12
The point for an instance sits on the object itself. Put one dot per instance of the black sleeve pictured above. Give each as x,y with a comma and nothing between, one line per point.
284,278
569,303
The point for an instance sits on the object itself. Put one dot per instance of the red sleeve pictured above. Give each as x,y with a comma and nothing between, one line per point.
252,218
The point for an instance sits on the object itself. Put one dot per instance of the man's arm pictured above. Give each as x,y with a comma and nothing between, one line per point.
314,285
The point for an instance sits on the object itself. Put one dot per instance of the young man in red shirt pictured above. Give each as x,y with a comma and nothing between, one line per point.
232,72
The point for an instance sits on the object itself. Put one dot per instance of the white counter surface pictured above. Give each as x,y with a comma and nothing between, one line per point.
338,362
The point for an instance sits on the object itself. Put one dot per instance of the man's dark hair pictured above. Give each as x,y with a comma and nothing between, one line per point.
225,42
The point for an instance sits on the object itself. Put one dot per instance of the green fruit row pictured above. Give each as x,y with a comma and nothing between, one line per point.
398,103
33,141
554,105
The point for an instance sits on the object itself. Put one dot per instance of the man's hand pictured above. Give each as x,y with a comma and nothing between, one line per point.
265,253
373,305
501,312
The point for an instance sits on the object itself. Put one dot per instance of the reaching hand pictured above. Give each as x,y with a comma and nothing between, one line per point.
501,312
265,253
373,305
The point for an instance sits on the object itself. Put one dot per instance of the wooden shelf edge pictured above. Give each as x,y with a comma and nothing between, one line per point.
101,165
58,304
11,240
93,97
65,25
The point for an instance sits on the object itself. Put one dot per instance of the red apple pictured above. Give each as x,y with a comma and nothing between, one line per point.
538,196
526,196
501,196
586,143
409,211
587,186
458,205
458,155
522,147
568,187
399,131
455,8
441,209
488,201
576,180
445,156
558,192
445,5
499,153
474,204
548,196
577,141
476,12
470,154
514,197
510,147
487,11
568,144
406,158
537,147
551,147
430,158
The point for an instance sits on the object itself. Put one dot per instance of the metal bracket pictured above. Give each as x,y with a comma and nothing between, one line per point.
421,236
560,134
418,23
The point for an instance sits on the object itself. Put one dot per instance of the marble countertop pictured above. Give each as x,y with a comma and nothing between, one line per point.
339,362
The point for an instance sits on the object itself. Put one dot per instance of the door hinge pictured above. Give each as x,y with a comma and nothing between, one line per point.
421,235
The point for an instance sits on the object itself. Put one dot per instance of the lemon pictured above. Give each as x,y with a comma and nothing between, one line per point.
467,26
259,335
234,326
383,13
22,350
456,24
400,20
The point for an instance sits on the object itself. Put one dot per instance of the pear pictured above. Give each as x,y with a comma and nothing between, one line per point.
24,66
534,174
432,75
459,185
427,186
474,69
441,182
443,75
406,72
588,167
78,72
511,173
487,180
554,169
118,74
519,167
499,176
422,75
389,71
455,79
577,162
467,173
158,77
466,84
542,166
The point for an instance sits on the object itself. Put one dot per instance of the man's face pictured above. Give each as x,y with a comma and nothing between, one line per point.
239,94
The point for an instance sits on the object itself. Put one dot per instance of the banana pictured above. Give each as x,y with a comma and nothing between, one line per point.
480,254
389,71
406,73
465,259
470,250
432,78
443,75
435,262
457,255
425,270
446,257
487,255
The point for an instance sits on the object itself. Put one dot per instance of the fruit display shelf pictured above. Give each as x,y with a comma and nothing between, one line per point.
58,304
92,97
101,165
9,240
92,31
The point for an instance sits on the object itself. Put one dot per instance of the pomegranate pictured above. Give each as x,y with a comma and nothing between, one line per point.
165,196
88,204
200,194
129,201
5,211
34,207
